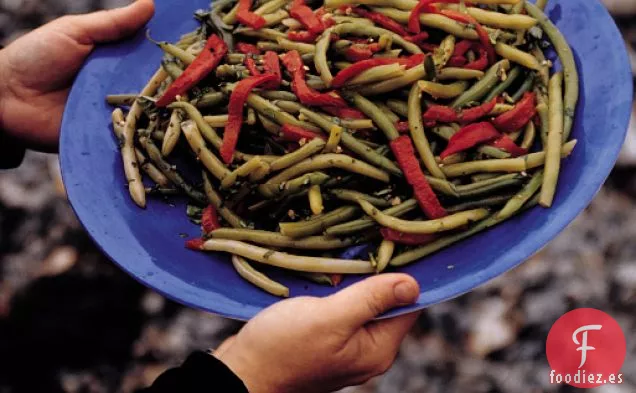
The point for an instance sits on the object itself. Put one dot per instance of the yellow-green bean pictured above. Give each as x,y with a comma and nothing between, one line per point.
438,90
416,128
275,239
245,270
288,261
555,141
450,73
315,200
215,199
207,158
385,253
173,132
497,19
485,85
318,224
305,151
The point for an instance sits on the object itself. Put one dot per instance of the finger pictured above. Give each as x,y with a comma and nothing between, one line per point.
390,333
362,302
110,25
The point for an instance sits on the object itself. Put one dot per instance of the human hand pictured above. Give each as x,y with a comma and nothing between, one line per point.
321,345
37,70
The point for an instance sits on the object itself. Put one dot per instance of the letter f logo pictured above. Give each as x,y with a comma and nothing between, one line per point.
583,344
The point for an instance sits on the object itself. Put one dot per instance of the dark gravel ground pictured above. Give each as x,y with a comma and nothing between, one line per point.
70,321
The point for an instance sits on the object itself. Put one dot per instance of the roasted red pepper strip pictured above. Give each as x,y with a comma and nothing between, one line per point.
440,113
504,142
210,220
326,22
302,36
470,136
295,133
402,127
408,239
306,16
336,279
428,47
457,61
412,61
195,244
382,20
271,64
462,47
404,153
247,17
357,52
417,38
423,6
481,32
519,116
250,64
308,96
214,51
247,49
482,62
476,113
344,113
355,69
235,112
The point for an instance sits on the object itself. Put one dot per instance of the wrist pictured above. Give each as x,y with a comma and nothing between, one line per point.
243,367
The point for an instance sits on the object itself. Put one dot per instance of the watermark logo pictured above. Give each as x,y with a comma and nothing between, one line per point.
586,349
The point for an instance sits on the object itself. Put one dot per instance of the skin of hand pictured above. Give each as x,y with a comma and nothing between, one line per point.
37,70
313,345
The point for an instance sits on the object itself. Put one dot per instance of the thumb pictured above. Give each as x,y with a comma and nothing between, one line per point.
362,302
110,25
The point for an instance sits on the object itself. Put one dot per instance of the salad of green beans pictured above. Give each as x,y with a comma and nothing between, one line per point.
405,126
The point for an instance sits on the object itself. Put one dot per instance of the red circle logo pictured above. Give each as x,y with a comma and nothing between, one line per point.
586,349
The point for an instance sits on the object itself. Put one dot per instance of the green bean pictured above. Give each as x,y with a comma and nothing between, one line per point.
353,144
529,136
524,88
503,86
366,222
194,114
497,19
288,261
555,140
438,90
289,106
459,73
492,201
410,76
131,166
268,125
230,17
264,33
374,113
250,117
401,4
315,200
121,99
318,224
399,107
570,72
243,171
544,115
301,47
152,171
275,17
305,151
278,95
318,278
208,100
173,132
360,29
216,200
257,278
501,108
293,186
481,88
172,50
350,19
483,176
418,135
387,111
378,74
523,196
335,136
541,4
353,196
517,56
446,133
275,239
207,158
320,56
173,69
490,186
273,112
385,253
443,186
443,53
171,173
216,121
423,227
544,71
325,161
435,21
519,164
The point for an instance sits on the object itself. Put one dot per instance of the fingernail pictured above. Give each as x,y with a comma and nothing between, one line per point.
405,293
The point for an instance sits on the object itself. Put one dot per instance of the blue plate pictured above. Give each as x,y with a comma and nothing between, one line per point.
148,244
